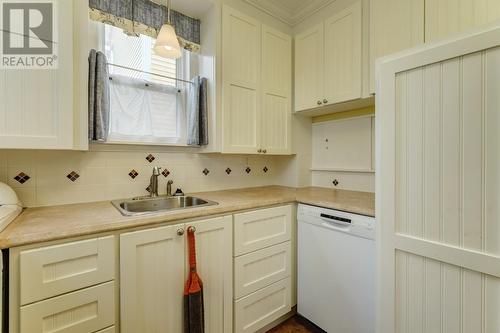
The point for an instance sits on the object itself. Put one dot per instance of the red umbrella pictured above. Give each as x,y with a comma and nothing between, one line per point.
194,320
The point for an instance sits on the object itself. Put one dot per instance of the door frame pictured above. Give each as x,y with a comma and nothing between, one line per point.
388,240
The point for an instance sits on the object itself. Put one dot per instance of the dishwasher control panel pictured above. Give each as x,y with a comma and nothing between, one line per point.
354,224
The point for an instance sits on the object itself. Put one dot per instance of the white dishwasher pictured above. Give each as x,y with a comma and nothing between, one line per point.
336,269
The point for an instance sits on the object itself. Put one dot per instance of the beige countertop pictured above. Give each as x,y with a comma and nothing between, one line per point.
41,224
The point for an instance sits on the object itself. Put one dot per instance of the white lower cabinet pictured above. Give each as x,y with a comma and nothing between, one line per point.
258,229
152,280
258,269
83,311
70,287
262,267
153,270
261,308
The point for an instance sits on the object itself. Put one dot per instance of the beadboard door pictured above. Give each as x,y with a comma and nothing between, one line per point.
36,108
342,71
152,280
241,76
214,244
276,91
438,188
309,53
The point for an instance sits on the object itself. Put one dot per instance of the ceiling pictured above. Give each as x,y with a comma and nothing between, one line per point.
193,8
290,12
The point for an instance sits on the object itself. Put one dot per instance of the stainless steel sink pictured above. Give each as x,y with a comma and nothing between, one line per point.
146,205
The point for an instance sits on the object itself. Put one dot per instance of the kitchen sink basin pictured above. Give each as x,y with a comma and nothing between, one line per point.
146,205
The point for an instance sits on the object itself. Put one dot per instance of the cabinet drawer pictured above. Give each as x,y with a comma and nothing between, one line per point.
262,307
83,311
258,229
259,269
55,270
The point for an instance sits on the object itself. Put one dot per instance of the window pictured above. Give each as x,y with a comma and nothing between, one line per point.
145,108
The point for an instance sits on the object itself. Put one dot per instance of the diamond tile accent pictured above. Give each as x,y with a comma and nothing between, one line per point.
206,171
72,176
165,173
150,158
265,169
228,171
133,174
148,189
22,177
335,182
248,170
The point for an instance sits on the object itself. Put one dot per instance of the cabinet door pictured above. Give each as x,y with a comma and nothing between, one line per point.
152,280
276,91
309,47
215,267
261,228
241,59
36,108
445,17
82,311
261,308
395,25
53,270
342,70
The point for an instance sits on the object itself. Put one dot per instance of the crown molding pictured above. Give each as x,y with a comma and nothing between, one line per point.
285,14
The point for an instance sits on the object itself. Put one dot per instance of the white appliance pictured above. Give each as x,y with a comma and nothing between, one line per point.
336,269
10,206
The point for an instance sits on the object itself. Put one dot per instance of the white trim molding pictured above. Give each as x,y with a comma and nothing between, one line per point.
285,14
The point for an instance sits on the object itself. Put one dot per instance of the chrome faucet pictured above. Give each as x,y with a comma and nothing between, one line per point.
153,182
169,187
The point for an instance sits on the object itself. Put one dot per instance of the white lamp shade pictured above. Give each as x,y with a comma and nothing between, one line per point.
167,45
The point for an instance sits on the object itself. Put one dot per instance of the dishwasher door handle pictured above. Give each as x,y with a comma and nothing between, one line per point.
335,219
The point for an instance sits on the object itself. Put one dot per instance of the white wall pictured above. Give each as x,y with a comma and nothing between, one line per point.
104,174
343,150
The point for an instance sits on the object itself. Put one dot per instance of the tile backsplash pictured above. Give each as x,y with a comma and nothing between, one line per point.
43,178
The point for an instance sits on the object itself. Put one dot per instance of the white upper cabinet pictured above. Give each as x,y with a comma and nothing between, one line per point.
395,25
276,91
342,64
256,81
444,17
328,67
309,55
241,68
37,104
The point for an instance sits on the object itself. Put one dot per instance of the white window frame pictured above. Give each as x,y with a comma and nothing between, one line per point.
183,68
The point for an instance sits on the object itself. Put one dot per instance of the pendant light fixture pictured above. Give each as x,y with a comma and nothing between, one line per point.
167,44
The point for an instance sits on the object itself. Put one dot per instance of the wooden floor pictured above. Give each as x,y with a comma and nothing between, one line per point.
296,324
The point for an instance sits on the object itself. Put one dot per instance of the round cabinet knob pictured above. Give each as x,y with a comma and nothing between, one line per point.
264,151
259,151
319,102
325,101
180,232
191,229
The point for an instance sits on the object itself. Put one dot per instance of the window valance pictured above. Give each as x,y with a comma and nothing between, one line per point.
146,17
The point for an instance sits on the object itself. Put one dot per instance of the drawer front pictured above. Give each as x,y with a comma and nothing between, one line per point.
261,228
55,270
262,268
83,311
262,307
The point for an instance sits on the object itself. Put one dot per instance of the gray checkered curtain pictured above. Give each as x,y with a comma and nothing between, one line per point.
146,17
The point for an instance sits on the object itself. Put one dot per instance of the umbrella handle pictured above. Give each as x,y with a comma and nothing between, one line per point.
192,248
